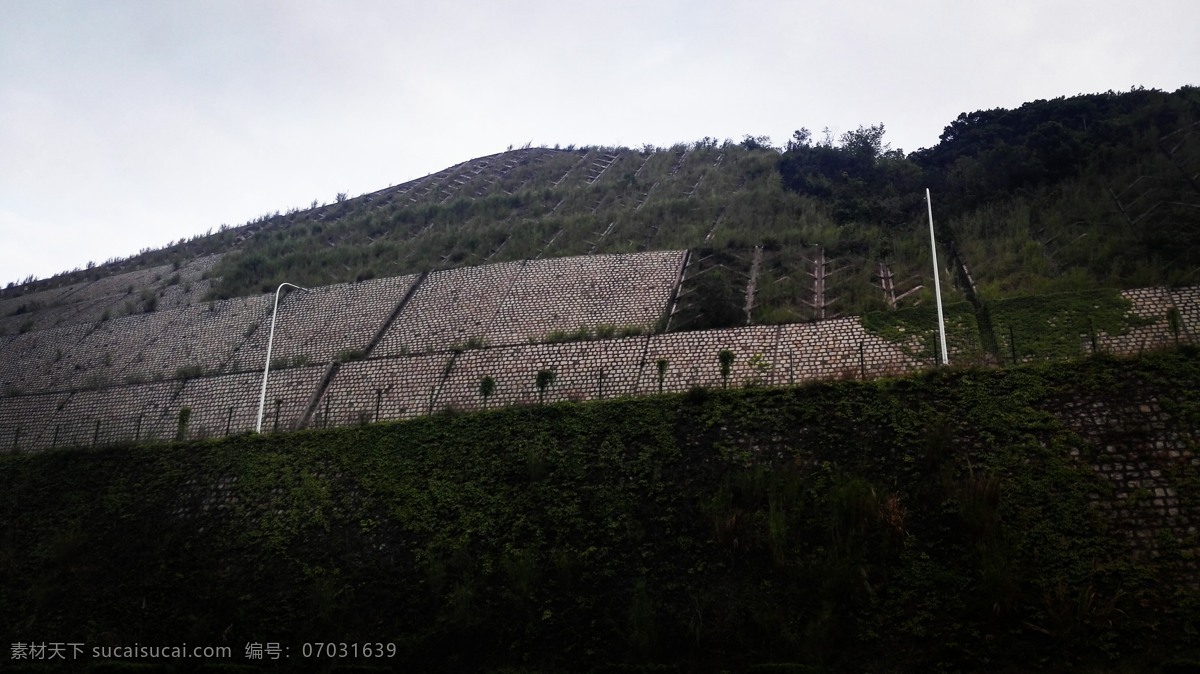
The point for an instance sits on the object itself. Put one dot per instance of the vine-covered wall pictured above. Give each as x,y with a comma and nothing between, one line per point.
958,520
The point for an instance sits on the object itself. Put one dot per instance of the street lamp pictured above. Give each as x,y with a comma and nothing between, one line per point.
937,284
262,400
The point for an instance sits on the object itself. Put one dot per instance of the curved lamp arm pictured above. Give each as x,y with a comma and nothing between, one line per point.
262,399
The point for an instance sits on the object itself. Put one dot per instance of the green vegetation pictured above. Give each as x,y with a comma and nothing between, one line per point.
725,359
487,386
543,380
1047,327
584,333
934,523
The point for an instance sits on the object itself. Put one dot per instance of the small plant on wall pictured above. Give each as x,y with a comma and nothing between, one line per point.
761,367
487,386
661,363
544,379
725,359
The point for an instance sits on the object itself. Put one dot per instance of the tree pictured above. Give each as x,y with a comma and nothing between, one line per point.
661,363
487,386
725,358
544,379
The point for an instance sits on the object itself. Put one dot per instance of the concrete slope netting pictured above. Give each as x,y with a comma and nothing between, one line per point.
582,371
200,340
228,404
121,284
24,420
27,359
37,300
87,312
317,326
693,358
565,294
37,310
837,349
119,414
184,294
99,358
1148,303
449,308
380,389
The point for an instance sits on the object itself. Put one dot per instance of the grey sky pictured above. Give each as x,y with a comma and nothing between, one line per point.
127,124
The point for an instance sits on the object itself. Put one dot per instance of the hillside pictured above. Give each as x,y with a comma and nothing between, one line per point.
1073,193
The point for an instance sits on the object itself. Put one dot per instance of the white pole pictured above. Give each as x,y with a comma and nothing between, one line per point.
937,284
262,399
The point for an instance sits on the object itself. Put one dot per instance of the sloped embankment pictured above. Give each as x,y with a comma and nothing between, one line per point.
959,520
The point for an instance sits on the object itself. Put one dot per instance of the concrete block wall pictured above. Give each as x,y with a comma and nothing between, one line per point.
231,401
1187,300
38,299
1150,303
583,371
692,358
405,386
586,291
205,337
449,308
27,359
119,414
837,349
1144,466
119,285
105,351
52,316
24,420
318,325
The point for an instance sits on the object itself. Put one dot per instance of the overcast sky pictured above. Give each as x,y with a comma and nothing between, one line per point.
127,124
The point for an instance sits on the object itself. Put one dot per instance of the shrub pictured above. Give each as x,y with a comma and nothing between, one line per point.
487,386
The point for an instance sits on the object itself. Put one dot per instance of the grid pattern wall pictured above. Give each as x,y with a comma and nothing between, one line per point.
50,317
229,403
836,349
1187,301
1150,303
692,358
32,302
318,325
449,308
381,389
24,420
582,371
203,338
26,359
119,414
121,284
106,351
564,294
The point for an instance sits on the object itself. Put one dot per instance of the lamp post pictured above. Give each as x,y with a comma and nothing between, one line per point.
937,284
270,343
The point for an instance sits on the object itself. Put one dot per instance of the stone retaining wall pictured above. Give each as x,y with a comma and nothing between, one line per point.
564,294
230,402
1142,465
403,387
582,371
317,326
449,308
119,414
